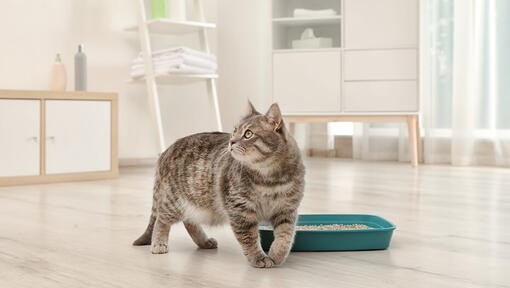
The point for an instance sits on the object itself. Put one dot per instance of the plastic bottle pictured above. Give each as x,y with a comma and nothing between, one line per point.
58,77
80,70
177,10
158,9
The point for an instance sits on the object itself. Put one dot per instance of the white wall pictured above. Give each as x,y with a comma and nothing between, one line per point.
32,32
244,55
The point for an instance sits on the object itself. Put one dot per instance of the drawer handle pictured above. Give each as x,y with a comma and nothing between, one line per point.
50,138
34,139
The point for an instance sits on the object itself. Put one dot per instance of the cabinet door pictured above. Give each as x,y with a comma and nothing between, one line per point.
19,137
78,136
307,82
381,23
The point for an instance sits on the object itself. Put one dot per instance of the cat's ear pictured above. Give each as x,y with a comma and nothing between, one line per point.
251,110
274,115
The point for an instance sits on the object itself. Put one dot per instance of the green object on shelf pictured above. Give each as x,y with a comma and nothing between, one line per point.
158,9
376,238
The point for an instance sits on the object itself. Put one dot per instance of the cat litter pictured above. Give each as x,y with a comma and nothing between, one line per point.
324,227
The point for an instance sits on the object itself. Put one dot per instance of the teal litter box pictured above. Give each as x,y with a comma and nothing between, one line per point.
377,238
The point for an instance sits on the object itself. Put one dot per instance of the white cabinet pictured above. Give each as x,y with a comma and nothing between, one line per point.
373,67
77,136
381,24
369,74
299,77
51,136
19,137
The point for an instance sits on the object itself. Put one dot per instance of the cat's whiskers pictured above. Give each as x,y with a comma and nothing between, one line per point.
224,152
238,148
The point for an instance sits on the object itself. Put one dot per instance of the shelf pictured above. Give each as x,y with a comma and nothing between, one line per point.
329,49
167,26
176,78
304,21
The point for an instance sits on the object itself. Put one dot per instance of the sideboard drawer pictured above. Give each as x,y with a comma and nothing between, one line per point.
307,82
401,64
381,96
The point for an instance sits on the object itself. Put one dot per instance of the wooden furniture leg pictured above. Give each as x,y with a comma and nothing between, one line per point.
292,128
418,140
413,143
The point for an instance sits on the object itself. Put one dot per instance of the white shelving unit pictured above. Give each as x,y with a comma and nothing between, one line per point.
370,74
161,26
168,79
300,21
287,27
167,26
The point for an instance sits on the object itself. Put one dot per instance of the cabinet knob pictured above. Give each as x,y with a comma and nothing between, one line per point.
34,139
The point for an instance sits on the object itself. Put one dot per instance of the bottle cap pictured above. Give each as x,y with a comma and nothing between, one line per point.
57,58
80,48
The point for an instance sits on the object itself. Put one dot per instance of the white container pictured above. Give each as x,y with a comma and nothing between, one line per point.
177,10
312,43
80,70
309,41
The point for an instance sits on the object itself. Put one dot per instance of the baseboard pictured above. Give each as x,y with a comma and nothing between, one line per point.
138,162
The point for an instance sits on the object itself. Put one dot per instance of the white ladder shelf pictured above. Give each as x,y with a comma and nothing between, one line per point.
170,27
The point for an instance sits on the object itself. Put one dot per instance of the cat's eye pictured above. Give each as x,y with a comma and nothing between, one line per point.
248,134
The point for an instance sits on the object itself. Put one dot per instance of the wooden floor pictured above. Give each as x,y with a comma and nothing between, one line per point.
452,231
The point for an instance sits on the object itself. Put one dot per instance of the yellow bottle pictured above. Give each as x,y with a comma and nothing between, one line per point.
58,77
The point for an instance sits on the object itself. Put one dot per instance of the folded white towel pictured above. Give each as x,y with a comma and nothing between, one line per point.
299,12
181,51
176,60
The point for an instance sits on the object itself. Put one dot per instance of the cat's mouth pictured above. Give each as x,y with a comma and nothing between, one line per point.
237,151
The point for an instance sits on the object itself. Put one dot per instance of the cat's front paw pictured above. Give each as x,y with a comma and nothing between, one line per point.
159,249
277,257
210,243
262,262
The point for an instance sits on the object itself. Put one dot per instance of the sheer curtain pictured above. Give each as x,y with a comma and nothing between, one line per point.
465,88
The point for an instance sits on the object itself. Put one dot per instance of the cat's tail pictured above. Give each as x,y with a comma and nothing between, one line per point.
146,237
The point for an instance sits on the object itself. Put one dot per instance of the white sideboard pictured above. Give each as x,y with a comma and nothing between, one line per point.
48,136
370,74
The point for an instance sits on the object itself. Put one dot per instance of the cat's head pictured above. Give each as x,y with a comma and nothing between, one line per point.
259,138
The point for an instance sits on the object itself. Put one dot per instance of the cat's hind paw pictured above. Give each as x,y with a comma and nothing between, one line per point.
210,243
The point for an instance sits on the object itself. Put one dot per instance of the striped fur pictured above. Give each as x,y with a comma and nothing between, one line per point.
216,178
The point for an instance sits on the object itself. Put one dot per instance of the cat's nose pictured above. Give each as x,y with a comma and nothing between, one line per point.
232,142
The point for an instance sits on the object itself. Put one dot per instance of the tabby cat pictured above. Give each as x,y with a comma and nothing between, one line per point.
254,174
